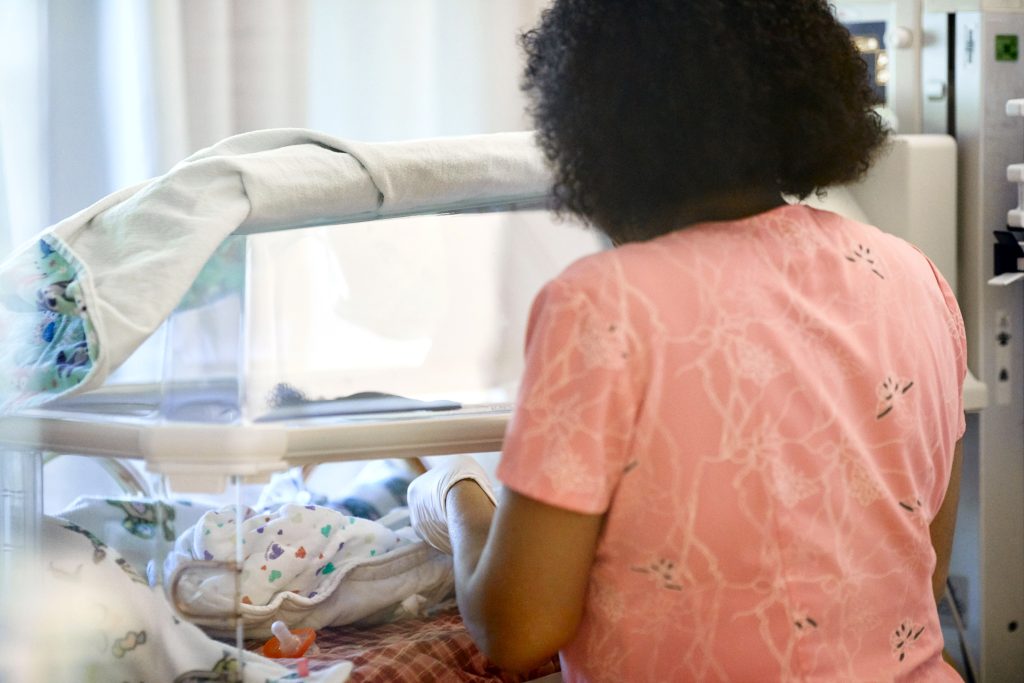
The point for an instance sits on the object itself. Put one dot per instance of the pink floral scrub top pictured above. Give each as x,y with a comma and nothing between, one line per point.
765,411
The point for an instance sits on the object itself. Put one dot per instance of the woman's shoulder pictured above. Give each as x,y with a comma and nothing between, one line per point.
782,237
588,270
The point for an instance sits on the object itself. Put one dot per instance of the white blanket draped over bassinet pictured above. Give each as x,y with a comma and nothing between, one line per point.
78,300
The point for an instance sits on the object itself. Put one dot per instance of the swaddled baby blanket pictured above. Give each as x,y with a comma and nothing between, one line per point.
76,302
310,566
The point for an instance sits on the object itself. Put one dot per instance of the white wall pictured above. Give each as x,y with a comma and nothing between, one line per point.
401,69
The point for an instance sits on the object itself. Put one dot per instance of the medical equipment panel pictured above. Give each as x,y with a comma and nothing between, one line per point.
985,73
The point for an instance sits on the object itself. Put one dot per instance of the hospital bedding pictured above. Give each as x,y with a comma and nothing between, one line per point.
133,635
308,565
436,648
421,640
99,620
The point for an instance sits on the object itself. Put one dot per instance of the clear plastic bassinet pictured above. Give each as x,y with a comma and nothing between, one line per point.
353,335
378,335
397,337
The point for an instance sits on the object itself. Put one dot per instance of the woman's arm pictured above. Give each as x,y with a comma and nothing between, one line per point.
944,524
521,581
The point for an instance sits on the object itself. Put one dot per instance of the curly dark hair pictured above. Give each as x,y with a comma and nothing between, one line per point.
642,106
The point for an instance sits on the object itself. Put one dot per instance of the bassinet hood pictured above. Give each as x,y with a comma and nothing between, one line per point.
78,300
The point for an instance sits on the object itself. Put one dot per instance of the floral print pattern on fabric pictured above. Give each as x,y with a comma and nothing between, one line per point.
764,412
47,342
223,275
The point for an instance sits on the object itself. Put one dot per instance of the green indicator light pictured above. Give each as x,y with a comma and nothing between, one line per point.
1007,48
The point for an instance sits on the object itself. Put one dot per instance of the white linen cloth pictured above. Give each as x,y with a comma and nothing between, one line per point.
138,250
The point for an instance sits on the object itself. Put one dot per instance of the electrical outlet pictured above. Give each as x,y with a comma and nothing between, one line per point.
1004,372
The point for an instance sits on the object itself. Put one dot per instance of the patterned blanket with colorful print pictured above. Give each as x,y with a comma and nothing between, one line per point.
48,344
89,615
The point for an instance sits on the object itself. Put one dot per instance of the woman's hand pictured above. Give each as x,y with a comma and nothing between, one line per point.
521,570
428,498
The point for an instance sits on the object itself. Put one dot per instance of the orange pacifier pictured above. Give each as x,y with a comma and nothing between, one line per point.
288,644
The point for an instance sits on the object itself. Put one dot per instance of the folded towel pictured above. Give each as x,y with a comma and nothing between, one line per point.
78,301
